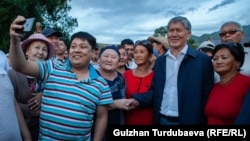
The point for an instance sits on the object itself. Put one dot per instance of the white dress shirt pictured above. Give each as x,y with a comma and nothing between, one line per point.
169,105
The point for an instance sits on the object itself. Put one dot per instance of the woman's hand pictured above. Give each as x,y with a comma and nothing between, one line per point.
16,27
35,102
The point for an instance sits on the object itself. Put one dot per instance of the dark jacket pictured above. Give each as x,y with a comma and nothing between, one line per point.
244,116
195,81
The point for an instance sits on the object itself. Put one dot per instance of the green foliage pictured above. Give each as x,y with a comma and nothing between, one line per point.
161,31
192,43
51,13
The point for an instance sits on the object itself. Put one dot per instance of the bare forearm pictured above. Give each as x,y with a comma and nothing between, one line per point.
101,123
22,124
100,127
17,58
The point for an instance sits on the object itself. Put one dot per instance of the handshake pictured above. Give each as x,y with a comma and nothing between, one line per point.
124,104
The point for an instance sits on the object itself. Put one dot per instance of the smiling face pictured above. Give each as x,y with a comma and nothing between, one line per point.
224,62
37,50
109,60
141,55
80,53
178,35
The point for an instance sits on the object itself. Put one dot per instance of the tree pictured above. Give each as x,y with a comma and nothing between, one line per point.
192,43
50,13
161,31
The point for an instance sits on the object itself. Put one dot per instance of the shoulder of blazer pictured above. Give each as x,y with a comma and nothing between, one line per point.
192,52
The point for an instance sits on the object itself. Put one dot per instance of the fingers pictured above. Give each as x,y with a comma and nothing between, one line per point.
125,104
16,27
34,104
131,103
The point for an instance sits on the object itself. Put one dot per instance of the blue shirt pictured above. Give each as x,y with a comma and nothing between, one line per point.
68,105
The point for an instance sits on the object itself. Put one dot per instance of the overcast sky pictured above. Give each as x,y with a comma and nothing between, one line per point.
111,21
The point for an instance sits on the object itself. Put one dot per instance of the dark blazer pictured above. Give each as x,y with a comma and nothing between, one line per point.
244,116
195,81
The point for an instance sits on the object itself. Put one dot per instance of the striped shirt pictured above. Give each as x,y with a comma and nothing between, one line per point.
68,105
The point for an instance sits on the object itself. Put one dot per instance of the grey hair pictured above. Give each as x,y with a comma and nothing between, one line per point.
183,20
238,25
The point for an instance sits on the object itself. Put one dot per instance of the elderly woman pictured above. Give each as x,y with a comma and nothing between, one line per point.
229,98
109,58
28,91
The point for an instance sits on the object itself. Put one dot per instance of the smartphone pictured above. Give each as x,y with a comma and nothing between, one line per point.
28,24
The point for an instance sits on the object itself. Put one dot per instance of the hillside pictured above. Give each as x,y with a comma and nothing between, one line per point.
215,35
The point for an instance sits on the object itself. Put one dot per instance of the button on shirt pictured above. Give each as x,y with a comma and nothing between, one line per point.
169,106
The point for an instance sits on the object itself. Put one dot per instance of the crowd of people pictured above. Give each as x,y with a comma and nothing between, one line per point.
55,92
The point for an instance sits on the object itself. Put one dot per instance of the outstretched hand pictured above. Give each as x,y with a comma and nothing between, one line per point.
16,27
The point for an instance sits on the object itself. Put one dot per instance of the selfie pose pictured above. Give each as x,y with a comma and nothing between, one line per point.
71,95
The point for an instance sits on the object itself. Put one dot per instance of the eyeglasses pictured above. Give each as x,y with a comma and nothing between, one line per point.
230,32
142,42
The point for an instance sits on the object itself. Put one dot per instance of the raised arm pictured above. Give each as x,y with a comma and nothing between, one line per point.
17,58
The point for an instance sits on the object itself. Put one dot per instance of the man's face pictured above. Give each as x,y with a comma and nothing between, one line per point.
80,53
95,53
54,40
61,48
230,33
178,35
130,50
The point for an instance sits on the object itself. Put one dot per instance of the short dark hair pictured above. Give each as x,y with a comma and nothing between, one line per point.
146,44
127,41
84,35
236,50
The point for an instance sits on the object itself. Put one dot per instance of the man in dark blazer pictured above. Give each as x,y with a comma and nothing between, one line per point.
183,79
